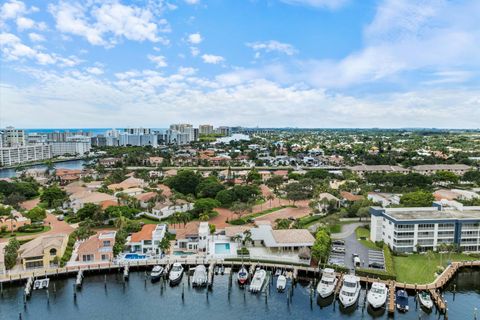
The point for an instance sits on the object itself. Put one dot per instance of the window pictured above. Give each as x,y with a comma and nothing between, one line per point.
104,257
424,226
106,243
87,257
53,252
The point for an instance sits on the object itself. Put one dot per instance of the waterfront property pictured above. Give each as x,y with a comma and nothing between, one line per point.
43,252
147,240
97,248
426,228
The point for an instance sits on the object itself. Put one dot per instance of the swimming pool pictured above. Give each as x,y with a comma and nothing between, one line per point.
135,256
182,253
222,248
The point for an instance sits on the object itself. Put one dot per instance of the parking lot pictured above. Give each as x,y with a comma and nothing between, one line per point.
344,250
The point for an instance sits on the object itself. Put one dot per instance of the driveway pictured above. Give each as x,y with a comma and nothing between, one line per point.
347,230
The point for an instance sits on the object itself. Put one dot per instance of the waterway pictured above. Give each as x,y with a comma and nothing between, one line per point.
140,299
69,164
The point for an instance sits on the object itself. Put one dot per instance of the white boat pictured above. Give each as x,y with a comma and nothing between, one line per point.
350,290
377,295
327,283
258,280
278,272
242,276
176,274
79,280
200,276
41,284
425,300
156,274
281,283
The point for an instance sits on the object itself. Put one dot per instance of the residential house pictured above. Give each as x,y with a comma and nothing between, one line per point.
348,197
15,223
165,209
79,199
97,248
43,251
147,240
361,170
128,183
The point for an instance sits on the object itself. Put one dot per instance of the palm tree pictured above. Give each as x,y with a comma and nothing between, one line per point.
247,237
164,245
270,197
11,216
204,216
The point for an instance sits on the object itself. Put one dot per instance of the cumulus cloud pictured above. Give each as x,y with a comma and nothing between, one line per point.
195,38
160,61
105,24
212,59
95,70
35,37
12,48
272,46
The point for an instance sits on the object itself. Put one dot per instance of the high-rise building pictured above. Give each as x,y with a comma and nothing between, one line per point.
224,131
16,155
75,145
186,129
205,129
62,136
12,137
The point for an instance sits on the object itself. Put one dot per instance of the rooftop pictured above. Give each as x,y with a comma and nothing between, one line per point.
432,213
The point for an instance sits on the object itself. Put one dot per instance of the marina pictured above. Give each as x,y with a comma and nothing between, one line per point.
110,297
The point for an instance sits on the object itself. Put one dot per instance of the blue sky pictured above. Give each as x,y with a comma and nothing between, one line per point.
305,63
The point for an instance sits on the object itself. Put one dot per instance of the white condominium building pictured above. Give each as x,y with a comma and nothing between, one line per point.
426,228
76,145
17,155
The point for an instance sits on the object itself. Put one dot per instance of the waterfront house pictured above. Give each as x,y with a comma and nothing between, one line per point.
97,248
147,240
43,252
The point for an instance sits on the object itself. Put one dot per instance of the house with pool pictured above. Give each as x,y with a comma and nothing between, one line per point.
145,243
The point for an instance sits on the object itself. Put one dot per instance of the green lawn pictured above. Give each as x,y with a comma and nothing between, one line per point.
335,228
147,220
19,234
420,269
362,232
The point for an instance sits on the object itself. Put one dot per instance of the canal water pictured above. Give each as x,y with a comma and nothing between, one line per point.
140,299
69,164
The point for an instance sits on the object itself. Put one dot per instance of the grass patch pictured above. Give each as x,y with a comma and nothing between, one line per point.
335,228
421,268
20,234
306,222
363,236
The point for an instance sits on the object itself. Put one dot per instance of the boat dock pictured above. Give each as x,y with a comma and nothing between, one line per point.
79,270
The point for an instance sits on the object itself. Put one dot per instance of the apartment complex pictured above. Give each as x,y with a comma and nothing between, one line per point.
205,129
16,155
426,228
73,146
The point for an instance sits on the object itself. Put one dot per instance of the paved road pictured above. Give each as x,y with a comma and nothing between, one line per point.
347,230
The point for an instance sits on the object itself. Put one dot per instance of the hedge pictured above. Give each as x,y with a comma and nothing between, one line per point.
337,268
69,250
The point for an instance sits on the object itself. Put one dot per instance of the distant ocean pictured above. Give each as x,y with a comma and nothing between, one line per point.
94,131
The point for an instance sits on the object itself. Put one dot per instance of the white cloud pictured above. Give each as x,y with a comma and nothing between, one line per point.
95,71
192,1
13,49
212,59
273,46
195,38
143,97
12,10
106,24
329,4
194,51
160,61
25,23
35,37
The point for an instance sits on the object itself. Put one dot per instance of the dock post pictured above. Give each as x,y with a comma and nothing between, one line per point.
48,296
1,289
105,281
183,292
20,316
74,293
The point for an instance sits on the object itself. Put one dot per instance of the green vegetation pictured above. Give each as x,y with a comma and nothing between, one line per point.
421,268
363,236
417,199
11,253
13,193
334,228
53,196
321,246
37,214
27,230
246,219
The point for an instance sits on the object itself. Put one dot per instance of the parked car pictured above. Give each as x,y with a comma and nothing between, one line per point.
338,242
338,249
